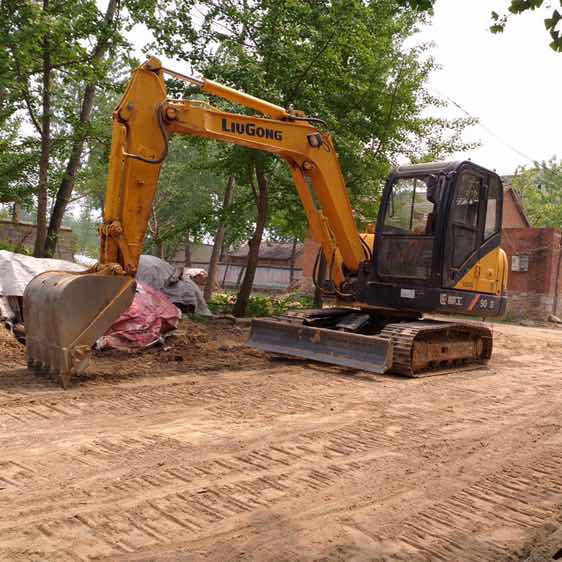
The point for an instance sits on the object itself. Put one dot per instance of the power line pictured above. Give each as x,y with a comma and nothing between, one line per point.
487,129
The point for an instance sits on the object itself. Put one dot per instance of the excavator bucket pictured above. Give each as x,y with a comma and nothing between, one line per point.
357,351
64,314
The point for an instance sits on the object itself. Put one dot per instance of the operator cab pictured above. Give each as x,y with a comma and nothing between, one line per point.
436,223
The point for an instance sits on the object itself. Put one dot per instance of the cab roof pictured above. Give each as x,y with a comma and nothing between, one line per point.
437,168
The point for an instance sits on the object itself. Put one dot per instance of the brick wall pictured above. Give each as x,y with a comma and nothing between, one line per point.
513,215
22,234
535,293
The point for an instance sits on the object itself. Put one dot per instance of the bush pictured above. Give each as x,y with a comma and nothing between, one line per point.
16,249
260,305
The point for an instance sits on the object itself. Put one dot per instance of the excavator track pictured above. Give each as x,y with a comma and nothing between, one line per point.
430,347
412,348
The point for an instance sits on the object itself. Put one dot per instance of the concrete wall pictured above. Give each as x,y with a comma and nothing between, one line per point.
200,253
267,278
22,234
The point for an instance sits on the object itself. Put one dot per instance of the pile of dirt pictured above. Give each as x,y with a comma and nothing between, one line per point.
214,345
12,352
211,345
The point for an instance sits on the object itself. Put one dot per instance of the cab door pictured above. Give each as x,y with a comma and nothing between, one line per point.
473,227
406,232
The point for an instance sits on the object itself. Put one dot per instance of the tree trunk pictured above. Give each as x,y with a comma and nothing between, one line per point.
187,252
293,258
219,242
223,252
69,179
240,273
254,242
226,266
43,186
16,213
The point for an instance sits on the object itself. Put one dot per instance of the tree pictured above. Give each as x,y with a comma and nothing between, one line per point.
107,35
540,188
219,240
56,53
260,189
552,23
190,192
344,61
18,162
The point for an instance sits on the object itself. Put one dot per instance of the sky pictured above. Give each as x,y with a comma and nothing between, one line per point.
512,82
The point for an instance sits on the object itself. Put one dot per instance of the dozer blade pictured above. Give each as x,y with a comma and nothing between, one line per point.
64,314
366,353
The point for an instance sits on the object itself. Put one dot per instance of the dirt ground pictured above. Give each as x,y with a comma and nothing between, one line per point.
209,451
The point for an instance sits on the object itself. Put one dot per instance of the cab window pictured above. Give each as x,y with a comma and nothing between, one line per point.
492,225
406,247
464,217
409,211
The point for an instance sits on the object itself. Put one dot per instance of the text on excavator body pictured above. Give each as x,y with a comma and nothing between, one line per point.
251,130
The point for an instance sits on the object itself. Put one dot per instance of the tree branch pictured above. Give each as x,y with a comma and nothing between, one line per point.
25,90
390,112
314,59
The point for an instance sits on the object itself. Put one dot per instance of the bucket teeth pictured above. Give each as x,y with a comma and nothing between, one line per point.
65,313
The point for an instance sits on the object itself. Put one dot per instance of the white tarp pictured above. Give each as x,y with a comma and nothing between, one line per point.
86,261
17,270
6,311
162,276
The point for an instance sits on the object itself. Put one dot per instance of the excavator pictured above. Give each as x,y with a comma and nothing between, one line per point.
434,249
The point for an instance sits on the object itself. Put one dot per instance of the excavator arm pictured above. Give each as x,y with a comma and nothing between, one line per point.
65,313
142,124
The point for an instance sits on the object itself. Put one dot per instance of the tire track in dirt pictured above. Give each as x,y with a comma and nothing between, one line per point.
485,520
282,471
161,520
391,430
166,464
216,398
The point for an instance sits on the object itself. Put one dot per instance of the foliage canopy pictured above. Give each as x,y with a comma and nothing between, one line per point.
540,187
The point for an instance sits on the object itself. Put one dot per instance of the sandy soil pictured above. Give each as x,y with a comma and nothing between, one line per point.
209,451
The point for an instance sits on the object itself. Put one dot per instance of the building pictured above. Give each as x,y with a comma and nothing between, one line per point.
271,254
274,271
199,254
534,280
513,213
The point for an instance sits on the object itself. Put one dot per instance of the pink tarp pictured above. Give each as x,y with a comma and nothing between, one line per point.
149,317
